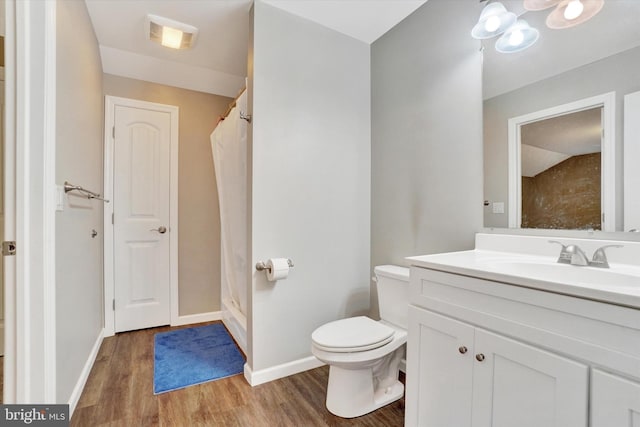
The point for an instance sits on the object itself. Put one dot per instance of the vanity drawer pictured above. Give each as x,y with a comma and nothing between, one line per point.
603,334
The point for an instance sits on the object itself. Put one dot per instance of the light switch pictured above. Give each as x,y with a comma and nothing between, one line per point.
498,207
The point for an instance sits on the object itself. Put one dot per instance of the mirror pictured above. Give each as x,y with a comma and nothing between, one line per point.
565,67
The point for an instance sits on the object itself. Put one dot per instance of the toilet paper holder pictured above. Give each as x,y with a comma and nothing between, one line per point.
262,266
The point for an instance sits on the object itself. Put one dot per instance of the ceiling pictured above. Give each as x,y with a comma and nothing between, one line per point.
364,20
218,62
548,142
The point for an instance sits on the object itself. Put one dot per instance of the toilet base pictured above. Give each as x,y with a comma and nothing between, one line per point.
351,392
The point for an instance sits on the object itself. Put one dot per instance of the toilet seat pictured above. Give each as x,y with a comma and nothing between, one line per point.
351,335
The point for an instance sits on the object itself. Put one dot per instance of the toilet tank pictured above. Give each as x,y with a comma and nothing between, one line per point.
393,294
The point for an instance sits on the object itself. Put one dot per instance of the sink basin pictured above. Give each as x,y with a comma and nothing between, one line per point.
531,262
622,277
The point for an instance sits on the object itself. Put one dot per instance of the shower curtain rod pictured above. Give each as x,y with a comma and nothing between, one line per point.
230,107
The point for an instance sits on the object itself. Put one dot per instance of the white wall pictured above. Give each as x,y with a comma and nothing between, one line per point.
617,73
311,181
79,160
426,134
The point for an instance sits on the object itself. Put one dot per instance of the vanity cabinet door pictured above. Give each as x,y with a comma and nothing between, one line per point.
439,371
515,384
615,401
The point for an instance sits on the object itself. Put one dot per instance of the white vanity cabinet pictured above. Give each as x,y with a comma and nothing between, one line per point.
483,353
472,377
615,400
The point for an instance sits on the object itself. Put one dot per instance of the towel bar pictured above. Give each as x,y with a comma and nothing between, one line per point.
90,194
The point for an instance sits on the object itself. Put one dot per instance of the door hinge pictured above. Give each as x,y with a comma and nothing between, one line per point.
113,132
112,215
8,248
113,304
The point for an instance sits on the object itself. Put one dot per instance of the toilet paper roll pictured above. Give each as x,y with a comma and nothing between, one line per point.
277,269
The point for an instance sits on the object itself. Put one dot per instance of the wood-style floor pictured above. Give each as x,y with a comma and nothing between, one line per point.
119,392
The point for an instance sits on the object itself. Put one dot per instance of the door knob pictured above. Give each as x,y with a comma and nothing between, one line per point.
162,229
479,357
462,349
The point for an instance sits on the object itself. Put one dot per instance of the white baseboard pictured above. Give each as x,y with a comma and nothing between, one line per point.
280,371
84,375
198,318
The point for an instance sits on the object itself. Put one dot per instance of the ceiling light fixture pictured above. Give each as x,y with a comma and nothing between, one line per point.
570,13
573,10
494,20
170,33
518,37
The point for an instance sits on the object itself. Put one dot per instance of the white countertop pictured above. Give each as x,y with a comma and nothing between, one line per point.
620,284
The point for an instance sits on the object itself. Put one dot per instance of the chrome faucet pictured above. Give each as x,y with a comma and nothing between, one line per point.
573,255
600,257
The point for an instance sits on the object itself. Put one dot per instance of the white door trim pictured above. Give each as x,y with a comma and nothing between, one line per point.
30,340
110,103
631,172
50,202
11,359
608,204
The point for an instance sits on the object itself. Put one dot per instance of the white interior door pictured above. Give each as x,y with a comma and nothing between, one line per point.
141,203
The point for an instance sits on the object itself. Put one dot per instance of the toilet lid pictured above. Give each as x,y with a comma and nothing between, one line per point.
350,335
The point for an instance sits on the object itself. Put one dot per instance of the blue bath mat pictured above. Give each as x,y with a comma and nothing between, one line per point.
192,356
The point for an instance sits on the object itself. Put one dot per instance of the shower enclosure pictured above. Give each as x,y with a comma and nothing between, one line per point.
229,146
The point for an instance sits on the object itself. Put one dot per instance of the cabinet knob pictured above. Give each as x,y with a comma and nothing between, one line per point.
462,349
479,357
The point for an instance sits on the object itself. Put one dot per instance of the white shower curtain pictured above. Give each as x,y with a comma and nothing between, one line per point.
229,146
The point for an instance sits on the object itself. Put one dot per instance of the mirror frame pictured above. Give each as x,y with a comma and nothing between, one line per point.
607,174
631,150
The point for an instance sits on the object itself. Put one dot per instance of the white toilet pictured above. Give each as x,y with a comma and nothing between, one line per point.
363,354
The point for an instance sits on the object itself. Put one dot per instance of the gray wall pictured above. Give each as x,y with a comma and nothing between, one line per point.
617,73
198,210
426,134
310,183
79,160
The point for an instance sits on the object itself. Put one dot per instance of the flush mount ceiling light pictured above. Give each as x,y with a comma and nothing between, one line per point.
518,37
170,33
494,20
570,13
536,5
